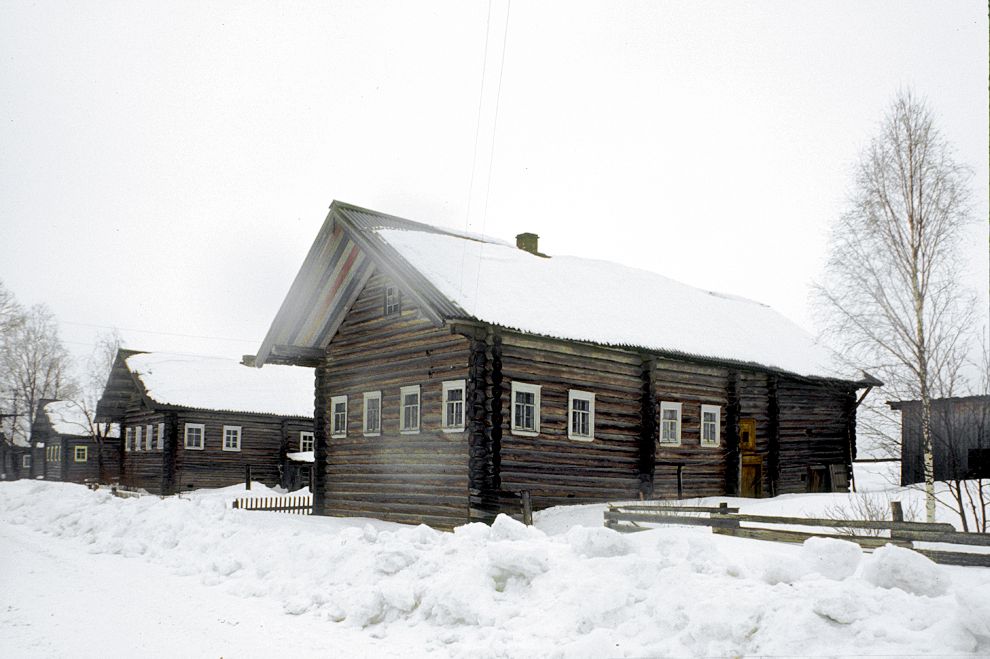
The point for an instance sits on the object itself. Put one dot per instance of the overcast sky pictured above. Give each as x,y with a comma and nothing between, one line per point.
165,166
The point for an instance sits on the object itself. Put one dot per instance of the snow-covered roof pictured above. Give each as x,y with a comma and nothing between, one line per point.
217,383
605,303
67,417
302,456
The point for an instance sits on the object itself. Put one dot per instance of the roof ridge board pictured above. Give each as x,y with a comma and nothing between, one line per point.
405,223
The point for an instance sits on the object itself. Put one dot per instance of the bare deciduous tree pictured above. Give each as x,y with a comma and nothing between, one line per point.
891,299
94,379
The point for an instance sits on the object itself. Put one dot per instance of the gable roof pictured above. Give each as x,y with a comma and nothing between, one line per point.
458,276
65,417
175,381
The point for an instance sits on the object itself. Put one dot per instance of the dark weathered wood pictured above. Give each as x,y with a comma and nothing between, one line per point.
527,508
776,535
643,517
661,506
956,557
896,511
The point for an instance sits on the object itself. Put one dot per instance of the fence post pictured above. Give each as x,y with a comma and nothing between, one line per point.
527,508
723,508
680,482
235,503
896,511
247,477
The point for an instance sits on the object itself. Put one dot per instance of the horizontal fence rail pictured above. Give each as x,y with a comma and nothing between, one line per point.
294,505
728,521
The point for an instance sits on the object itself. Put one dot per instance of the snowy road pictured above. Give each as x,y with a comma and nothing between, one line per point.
58,600
85,574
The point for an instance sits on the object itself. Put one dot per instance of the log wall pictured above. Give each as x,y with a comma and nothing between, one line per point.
817,424
415,478
703,468
557,470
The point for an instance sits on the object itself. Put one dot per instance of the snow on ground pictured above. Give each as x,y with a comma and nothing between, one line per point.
88,574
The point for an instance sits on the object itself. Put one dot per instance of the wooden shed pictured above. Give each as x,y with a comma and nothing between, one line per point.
69,448
15,459
192,422
960,438
455,372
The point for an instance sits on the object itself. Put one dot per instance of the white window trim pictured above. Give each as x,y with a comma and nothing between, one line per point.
75,453
312,440
149,437
137,438
717,409
129,439
577,394
224,445
161,437
403,391
446,386
202,436
525,387
666,405
337,433
26,461
371,395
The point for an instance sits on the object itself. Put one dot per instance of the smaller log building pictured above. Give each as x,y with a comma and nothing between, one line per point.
456,372
191,422
960,438
15,459
69,448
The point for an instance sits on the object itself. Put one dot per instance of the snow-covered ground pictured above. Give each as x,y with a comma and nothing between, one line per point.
87,574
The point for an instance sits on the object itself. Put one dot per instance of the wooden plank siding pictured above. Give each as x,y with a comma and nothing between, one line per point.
416,478
703,468
557,470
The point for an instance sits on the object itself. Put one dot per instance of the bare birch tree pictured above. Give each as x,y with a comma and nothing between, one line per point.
891,298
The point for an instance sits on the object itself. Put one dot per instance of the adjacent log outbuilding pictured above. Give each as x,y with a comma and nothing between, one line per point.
455,372
190,422
71,447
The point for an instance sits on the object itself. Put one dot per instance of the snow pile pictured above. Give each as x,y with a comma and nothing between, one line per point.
215,383
68,418
512,590
621,306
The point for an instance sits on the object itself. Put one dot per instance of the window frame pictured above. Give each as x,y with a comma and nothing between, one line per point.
160,443
678,407
403,392
717,409
445,387
129,439
75,453
137,438
365,430
149,437
577,394
202,436
335,432
525,387
302,441
26,461
223,444
397,310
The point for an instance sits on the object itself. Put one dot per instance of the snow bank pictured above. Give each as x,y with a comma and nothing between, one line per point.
512,590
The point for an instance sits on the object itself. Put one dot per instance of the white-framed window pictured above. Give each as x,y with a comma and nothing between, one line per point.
195,436
338,416
393,300
525,409
80,453
55,453
306,441
453,405
371,426
711,424
129,439
580,415
161,437
231,438
137,438
26,461
670,423
149,437
409,409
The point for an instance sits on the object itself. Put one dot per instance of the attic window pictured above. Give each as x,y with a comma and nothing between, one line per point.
393,301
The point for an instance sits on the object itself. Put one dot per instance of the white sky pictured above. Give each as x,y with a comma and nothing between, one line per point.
165,166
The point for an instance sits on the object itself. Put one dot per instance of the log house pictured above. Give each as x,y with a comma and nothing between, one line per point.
67,448
193,422
450,379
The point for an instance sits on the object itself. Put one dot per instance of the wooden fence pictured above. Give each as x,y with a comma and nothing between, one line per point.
294,505
869,534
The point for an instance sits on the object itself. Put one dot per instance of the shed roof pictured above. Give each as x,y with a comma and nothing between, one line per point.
455,275
221,384
67,417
